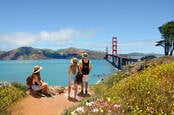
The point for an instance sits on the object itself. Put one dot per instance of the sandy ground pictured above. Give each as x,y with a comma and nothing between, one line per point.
35,105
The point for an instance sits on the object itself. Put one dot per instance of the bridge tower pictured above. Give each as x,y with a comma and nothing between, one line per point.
114,49
114,46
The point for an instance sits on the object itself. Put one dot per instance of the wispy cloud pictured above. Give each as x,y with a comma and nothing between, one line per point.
18,39
46,39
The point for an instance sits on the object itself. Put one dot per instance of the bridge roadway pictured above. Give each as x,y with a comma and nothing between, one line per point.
119,61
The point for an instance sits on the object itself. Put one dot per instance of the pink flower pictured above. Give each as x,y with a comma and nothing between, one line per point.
95,110
117,106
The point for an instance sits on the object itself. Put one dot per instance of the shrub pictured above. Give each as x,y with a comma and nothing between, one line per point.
102,88
148,57
148,92
19,86
8,96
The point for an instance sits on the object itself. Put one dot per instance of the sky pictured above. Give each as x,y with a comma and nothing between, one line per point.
87,24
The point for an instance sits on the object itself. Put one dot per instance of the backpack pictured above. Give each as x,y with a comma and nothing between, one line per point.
29,81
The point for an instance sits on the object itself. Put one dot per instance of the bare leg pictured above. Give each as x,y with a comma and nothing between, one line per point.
69,89
45,87
82,87
75,90
86,87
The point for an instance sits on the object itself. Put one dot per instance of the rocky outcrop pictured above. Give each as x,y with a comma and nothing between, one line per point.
56,90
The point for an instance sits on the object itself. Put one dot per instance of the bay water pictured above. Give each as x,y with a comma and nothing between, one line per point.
54,72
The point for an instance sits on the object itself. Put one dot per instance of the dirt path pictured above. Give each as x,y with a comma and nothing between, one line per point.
46,105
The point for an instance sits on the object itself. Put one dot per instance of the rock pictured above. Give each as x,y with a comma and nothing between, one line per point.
56,90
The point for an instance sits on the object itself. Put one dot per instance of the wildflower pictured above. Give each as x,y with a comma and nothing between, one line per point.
80,109
101,110
109,111
108,99
150,109
89,103
117,106
95,110
72,113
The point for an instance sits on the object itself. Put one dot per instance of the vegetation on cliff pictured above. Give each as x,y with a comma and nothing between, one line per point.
11,94
142,88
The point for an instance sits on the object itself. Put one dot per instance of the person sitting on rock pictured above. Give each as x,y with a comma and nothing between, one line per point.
37,83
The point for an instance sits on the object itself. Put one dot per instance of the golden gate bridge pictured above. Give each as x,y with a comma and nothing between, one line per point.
116,60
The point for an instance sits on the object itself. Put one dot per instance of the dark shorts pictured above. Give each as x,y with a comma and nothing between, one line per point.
79,78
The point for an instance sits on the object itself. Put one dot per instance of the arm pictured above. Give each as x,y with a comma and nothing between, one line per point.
90,66
80,67
33,81
36,81
69,70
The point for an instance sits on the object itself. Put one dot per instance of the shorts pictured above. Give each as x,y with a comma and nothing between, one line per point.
35,87
72,79
85,78
78,78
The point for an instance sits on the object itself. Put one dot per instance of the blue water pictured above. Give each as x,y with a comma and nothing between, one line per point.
54,72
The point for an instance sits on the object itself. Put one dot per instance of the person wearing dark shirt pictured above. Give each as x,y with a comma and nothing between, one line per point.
85,67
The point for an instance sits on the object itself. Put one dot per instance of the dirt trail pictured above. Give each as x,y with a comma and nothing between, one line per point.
46,105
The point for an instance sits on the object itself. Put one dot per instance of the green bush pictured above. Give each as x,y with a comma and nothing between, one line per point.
19,86
102,88
148,92
9,95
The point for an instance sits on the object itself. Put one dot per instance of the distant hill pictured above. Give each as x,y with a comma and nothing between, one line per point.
69,52
137,55
24,53
1,52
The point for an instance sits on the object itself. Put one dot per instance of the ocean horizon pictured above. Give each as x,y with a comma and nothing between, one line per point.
54,71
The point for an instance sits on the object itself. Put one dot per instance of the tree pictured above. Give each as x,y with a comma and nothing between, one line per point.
167,42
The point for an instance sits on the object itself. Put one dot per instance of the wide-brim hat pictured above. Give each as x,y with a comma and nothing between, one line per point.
37,69
84,55
74,61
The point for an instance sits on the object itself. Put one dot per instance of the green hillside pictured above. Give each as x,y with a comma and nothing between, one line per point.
25,53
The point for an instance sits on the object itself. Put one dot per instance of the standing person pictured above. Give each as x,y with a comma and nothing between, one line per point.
85,67
37,83
72,73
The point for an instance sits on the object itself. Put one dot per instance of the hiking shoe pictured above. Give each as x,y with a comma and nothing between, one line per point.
81,92
41,94
50,95
75,100
86,92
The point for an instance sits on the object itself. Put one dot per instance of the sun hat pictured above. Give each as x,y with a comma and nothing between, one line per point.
74,60
37,69
84,55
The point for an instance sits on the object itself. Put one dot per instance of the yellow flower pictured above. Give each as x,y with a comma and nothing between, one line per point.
72,113
101,110
109,99
173,96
